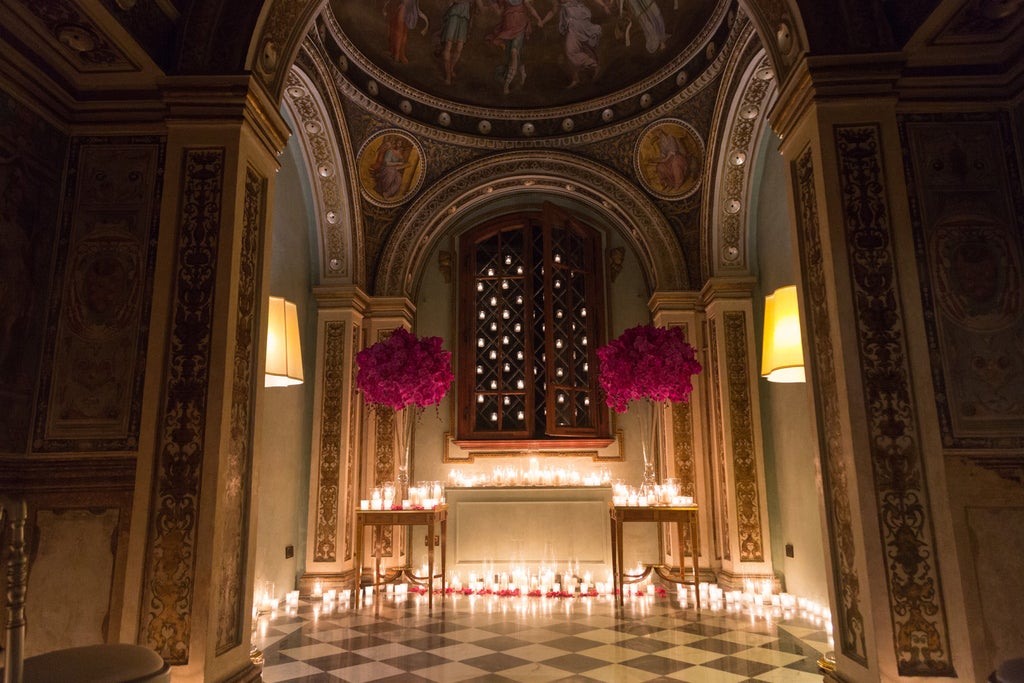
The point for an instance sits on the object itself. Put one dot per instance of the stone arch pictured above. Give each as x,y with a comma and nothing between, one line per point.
751,89
527,177
330,174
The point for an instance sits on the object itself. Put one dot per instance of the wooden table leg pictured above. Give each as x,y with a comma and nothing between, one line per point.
377,550
444,558
694,554
621,584
430,564
615,558
357,590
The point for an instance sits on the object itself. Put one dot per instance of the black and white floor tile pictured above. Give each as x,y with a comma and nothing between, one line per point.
534,639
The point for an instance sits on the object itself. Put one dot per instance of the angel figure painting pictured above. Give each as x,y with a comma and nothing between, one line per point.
390,168
668,159
521,53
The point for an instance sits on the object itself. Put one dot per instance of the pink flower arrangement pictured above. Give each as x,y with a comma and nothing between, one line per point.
404,370
647,362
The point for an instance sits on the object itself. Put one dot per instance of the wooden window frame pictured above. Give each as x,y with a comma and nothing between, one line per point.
547,221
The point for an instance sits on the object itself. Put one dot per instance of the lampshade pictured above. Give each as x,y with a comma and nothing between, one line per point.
782,359
284,357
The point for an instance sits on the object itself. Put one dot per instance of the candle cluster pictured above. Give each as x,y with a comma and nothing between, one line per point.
549,581
423,496
534,475
664,494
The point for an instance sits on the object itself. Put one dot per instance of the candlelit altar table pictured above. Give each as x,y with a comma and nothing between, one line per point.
435,519
500,528
684,515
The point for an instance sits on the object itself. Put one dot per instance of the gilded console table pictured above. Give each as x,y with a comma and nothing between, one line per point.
436,520
685,515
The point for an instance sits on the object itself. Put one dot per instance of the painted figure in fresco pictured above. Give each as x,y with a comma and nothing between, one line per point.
389,167
511,34
458,16
651,22
581,37
402,15
673,163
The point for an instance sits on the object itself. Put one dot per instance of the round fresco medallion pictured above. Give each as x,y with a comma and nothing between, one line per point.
391,167
668,159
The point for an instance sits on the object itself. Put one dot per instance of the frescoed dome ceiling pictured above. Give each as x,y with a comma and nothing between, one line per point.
581,65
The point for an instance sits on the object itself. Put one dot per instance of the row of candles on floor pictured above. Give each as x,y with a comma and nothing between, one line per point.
533,475
754,594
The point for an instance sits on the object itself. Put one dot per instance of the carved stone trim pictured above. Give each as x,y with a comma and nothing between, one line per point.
918,613
731,198
328,485
282,31
842,543
170,568
236,493
331,181
532,173
719,430
350,456
741,427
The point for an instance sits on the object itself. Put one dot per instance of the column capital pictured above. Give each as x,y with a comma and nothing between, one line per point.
342,297
720,288
834,79
664,302
194,100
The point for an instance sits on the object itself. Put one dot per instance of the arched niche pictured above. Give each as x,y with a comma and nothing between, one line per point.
521,181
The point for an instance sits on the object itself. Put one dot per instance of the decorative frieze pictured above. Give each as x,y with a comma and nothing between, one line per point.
327,477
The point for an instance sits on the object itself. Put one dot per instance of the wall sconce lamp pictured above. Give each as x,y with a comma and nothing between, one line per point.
284,357
782,359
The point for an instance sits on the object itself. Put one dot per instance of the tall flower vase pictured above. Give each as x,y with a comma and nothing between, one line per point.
404,421
647,418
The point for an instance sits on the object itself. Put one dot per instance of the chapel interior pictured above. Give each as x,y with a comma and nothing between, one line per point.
168,166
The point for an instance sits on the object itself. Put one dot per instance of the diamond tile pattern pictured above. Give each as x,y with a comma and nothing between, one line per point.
487,638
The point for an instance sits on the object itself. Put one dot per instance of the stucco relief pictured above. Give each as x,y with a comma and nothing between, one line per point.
91,395
728,204
741,428
842,544
170,565
84,45
967,229
918,612
327,170
327,477
237,481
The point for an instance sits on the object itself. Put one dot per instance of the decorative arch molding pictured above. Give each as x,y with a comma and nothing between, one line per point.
531,175
281,28
331,177
728,196
780,26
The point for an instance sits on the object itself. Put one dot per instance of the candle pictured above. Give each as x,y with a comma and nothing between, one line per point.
364,505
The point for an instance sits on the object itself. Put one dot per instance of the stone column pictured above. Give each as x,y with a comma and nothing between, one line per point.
335,468
195,533
878,441
737,461
685,442
380,462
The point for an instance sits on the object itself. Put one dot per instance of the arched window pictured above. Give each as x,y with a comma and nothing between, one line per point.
531,311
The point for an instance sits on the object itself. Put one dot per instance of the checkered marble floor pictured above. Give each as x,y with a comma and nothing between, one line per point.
490,638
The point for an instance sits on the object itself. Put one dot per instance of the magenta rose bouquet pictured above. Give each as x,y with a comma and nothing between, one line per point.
404,370
651,365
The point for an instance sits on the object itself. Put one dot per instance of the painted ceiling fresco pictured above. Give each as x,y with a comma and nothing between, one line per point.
521,53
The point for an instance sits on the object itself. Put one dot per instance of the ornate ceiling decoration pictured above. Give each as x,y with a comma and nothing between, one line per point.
635,76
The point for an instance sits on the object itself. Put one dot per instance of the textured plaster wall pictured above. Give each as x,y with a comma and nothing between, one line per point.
792,475
282,463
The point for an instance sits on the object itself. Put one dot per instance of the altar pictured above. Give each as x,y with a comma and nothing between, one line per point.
497,528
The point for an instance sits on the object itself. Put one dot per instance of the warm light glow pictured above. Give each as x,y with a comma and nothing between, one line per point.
783,358
284,357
